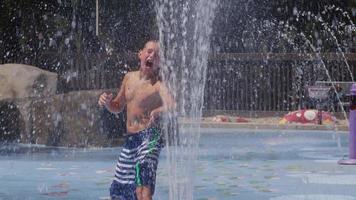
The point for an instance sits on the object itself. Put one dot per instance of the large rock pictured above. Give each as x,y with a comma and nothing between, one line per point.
32,112
73,119
70,119
21,81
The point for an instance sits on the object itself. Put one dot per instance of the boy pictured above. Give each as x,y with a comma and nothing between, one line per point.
146,98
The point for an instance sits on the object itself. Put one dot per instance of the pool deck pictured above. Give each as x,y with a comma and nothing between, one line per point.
274,126
270,123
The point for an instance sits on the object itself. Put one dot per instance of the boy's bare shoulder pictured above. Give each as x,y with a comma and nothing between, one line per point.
130,75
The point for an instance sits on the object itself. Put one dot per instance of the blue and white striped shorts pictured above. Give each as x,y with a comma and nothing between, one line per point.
137,164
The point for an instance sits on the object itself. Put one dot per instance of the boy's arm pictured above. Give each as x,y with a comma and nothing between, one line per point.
168,102
119,102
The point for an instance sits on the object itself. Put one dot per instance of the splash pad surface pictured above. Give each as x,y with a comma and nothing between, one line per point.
232,164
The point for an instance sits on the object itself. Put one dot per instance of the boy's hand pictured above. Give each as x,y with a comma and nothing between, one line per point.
105,99
154,115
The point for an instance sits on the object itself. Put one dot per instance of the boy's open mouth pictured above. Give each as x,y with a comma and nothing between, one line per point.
149,63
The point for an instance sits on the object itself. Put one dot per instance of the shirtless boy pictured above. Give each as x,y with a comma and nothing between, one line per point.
145,98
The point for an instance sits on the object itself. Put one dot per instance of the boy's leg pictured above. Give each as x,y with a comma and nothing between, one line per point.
143,193
146,193
147,177
139,193
122,191
147,166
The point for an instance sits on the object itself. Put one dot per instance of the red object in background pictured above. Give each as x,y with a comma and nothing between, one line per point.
241,120
221,118
307,116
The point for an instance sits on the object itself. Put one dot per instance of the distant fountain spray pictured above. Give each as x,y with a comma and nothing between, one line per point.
184,28
352,127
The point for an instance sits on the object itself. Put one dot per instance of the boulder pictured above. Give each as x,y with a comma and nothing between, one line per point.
75,119
17,83
69,119
31,112
22,81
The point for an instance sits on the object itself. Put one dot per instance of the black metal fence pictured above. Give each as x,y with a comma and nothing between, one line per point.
232,83
273,85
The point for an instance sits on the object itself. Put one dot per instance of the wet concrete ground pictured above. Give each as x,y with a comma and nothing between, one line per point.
232,164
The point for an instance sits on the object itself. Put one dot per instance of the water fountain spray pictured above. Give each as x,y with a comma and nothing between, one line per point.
352,129
184,30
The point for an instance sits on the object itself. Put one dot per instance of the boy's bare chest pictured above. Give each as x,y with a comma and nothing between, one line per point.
136,90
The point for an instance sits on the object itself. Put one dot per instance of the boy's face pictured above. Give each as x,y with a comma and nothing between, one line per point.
149,58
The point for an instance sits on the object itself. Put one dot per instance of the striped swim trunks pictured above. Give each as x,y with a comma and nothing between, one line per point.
137,164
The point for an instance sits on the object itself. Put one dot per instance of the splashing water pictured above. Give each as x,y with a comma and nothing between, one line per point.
184,28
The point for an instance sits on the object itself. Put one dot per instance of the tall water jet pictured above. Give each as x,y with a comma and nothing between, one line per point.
184,29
